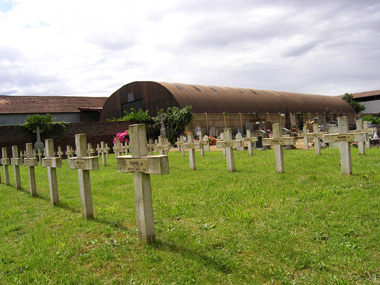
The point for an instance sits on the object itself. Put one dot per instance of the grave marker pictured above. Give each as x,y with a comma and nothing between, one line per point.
5,162
142,166
103,151
52,163
38,144
370,133
59,152
180,142
279,142
190,145
117,148
250,139
69,152
90,150
150,146
239,137
39,154
359,127
30,161
16,162
344,139
317,136
206,142
228,144
163,146
84,164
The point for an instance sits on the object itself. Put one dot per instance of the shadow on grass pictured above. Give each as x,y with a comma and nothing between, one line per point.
206,260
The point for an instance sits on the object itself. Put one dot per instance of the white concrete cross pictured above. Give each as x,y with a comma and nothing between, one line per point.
279,142
107,150
250,139
142,166
30,161
125,148
150,146
201,144
117,148
344,139
180,142
52,163
190,145
59,152
370,132
102,151
38,144
16,162
90,150
206,142
22,156
228,145
163,146
359,128
317,136
69,152
84,164
5,162
221,135
39,154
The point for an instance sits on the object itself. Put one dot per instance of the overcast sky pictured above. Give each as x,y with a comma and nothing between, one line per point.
92,48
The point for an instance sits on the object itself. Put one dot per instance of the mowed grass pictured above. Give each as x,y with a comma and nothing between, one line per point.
308,225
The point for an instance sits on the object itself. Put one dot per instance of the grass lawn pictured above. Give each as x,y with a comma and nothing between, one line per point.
310,224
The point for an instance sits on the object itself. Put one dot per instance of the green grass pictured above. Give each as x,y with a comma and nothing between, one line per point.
308,225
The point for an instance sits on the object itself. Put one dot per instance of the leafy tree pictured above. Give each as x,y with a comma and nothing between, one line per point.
357,106
139,116
176,120
372,119
45,123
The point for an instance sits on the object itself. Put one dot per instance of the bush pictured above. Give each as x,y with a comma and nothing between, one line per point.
372,119
45,123
139,116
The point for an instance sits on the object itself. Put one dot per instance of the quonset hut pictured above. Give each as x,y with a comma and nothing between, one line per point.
220,107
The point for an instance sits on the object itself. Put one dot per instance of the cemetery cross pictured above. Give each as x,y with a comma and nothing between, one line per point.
30,161
5,162
16,162
190,145
142,166
52,163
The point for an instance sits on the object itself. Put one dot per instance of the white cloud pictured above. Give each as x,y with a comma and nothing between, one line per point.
94,47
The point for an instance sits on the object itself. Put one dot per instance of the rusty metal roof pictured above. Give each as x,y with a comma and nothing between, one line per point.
48,104
216,99
366,94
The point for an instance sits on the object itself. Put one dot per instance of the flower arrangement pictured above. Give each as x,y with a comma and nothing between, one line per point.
122,137
212,140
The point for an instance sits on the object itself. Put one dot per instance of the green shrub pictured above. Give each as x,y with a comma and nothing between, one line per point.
45,123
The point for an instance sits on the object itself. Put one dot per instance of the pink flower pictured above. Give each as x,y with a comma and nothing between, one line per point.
122,137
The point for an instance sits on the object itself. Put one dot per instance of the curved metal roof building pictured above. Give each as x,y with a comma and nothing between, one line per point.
214,99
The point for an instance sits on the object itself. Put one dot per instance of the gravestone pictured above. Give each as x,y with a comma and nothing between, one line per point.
117,148
40,154
206,143
333,129
239,137
69,152
221,138
317,136
190,145
103,152
59,152
278,141
250,139
359,128
260,134
52,163
228,144
150,146
98,149
90,150
162,129
163,146
107,150
22,156
370,133
38,145
125,148
84,164
30,161
213,132
344,139
5,162
198,131
142,166
16,162
179,143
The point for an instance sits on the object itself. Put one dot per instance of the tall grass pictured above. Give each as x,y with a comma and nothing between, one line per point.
310,224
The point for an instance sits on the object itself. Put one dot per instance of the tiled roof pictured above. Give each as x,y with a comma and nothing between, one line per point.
47,104
366,94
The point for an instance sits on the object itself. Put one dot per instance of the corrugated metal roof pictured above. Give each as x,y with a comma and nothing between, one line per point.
47,104
366,94
215,99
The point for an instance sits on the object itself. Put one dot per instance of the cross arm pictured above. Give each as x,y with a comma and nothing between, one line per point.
151,164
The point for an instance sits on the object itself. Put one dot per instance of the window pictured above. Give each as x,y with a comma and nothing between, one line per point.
131,97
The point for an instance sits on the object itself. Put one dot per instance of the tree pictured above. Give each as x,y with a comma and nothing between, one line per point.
357,106
176,120
45,123
134,116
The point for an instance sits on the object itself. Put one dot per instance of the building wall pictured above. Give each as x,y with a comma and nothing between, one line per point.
96,132
372,107
18,119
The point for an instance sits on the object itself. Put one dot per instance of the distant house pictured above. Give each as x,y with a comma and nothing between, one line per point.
370,99
15,109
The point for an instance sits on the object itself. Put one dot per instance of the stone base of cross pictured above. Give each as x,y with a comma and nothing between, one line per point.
279,142
344,139
142,166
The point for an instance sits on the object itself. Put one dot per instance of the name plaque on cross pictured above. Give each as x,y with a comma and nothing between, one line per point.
52,162
350,138
84,163
136,165
16,161
281,141
30,162
151,164
5,161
